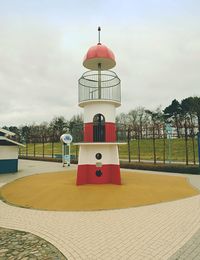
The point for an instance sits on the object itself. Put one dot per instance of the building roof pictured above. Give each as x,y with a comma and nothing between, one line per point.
4,139
6,132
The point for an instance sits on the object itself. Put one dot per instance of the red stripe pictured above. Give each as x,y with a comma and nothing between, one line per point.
110,132
88,132
110,129
86,174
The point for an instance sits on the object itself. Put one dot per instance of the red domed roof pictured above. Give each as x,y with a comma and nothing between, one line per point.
99,54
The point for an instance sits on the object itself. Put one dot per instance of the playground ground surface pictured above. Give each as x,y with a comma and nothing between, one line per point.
58,191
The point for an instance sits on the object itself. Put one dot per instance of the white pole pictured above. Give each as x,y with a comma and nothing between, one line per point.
63,151
69,156
99,81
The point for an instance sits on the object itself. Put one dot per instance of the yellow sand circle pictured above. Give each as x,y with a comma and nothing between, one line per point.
58,191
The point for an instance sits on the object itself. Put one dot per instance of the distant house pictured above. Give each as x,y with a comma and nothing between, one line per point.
9,151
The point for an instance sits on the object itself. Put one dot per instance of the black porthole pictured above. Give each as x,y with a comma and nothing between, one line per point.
98,173
98,156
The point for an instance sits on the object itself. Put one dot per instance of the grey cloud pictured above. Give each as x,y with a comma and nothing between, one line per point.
40,66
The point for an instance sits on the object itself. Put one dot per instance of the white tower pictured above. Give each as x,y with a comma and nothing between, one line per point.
99,95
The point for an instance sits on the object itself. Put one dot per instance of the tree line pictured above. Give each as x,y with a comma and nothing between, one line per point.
45,132
183,117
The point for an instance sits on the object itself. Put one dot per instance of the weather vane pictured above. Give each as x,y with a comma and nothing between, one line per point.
99,30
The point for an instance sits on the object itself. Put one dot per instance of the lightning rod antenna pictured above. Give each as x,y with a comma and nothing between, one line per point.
99,35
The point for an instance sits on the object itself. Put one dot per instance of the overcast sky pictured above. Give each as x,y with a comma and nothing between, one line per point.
43,42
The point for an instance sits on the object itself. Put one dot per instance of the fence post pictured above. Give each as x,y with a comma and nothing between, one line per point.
76,150
43,147
154,146
138,147
198,135
193,148
186,145
34,149
26,148
129,150
52,149
164,145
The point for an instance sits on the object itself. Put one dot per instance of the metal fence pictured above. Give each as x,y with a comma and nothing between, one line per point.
161,144
154,145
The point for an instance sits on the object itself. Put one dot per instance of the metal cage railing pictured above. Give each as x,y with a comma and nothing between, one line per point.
99,85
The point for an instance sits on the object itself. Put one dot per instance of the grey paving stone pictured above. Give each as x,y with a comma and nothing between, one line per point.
18,245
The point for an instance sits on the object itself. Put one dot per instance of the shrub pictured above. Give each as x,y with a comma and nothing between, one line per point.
177,168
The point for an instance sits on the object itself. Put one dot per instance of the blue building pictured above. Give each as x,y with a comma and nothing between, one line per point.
9,151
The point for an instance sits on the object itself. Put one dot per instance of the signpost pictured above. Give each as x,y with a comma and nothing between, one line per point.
66,140
168,129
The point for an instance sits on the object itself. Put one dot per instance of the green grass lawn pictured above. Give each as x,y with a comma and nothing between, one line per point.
48,149
146,149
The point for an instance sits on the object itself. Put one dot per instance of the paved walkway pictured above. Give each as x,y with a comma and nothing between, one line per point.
150,232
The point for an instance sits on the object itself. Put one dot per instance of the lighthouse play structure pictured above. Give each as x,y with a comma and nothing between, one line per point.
99,96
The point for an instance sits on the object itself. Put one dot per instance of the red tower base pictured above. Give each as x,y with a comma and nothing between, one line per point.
91,174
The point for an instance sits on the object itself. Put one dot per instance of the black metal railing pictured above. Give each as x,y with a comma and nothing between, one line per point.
149,144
